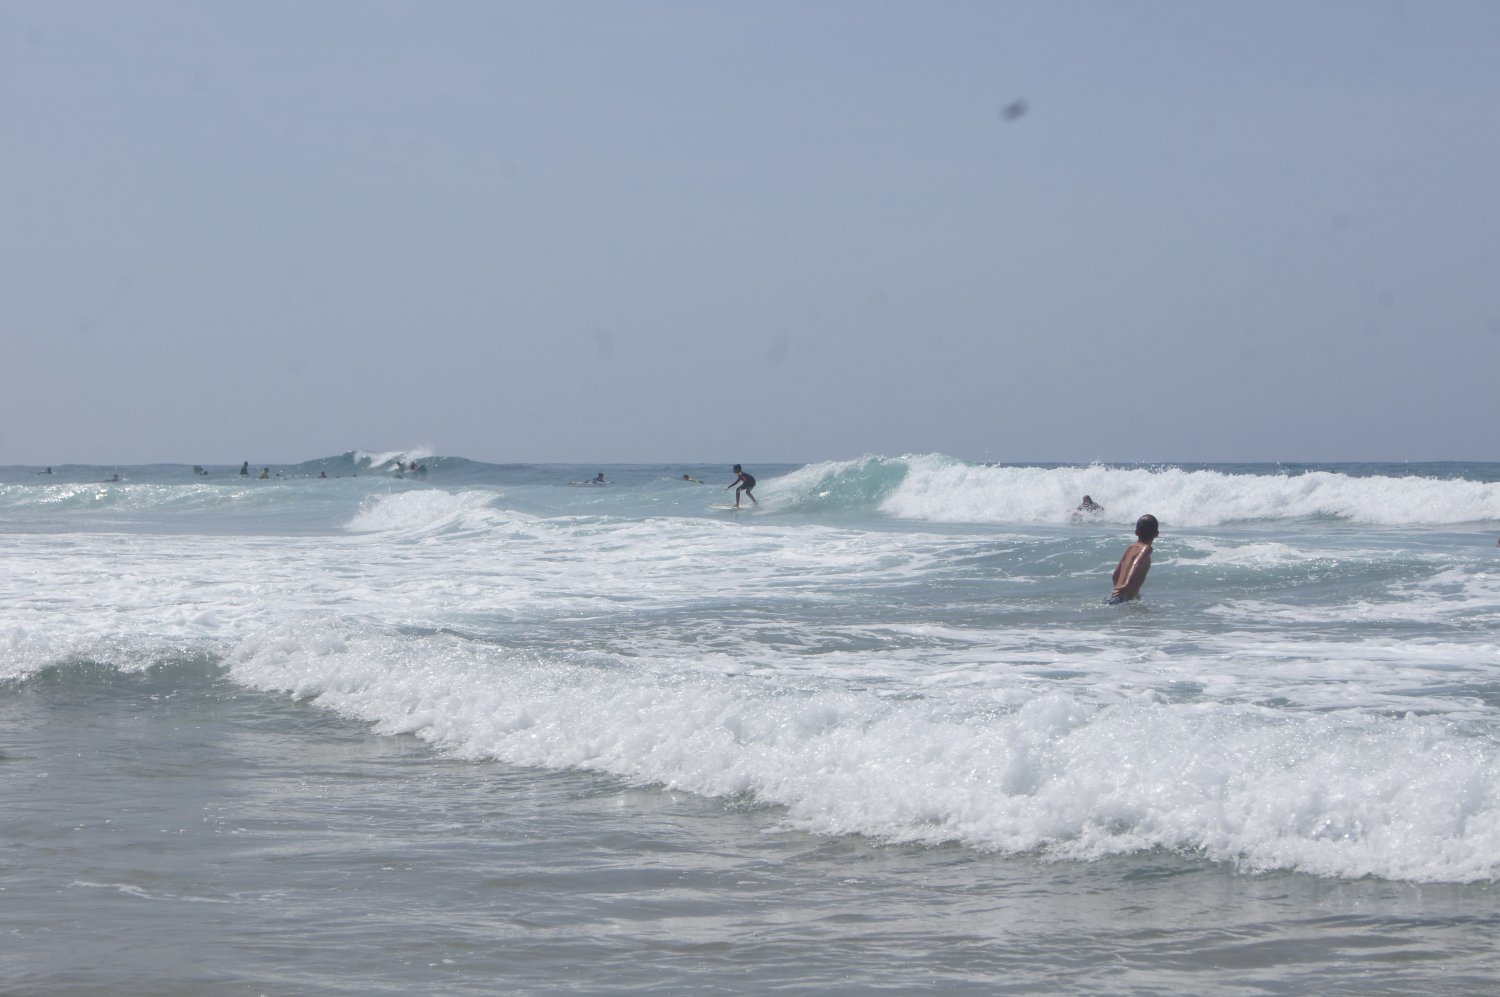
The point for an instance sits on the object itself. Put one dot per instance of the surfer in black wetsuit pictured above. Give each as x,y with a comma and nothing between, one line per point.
746,483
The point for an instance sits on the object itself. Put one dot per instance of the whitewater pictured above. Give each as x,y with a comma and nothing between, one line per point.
387,722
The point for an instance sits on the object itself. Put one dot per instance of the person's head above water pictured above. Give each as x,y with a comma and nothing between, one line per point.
1146,527
736,469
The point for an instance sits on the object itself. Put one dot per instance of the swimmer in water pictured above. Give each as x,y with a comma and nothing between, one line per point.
1130,573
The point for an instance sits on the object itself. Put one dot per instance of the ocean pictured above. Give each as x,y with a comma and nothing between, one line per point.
469,728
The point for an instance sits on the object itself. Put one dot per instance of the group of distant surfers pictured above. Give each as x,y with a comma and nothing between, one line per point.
398,467
743,484
1128,577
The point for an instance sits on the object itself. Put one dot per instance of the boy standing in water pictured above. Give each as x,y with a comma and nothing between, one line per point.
1130,573
746,484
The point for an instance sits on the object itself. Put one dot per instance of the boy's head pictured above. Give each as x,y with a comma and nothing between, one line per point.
736,469
1146,528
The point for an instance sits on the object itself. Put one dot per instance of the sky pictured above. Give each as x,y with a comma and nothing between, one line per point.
649,231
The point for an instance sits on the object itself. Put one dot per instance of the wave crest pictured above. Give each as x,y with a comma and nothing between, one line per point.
940,489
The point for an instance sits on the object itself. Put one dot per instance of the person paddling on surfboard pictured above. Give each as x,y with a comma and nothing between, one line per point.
1088,507
746,483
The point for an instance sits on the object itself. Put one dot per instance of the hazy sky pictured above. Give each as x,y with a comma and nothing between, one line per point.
620,232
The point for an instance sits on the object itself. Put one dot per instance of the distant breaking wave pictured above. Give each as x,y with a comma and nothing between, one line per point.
941,489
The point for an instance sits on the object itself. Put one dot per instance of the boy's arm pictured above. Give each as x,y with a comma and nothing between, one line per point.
1127,560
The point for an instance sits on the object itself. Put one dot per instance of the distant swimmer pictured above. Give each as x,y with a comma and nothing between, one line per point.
689,477
48,471
265,473
745,483
1130,573
245,469
322,474
599,478
1088,507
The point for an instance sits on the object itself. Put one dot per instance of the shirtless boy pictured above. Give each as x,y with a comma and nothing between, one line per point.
1130,573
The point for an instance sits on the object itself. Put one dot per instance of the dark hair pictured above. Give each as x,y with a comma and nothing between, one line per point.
1146,525
736,467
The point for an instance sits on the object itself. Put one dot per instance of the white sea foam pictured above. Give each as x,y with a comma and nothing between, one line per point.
940,489
1257,555
1345,794
378,460
1318,695
427,510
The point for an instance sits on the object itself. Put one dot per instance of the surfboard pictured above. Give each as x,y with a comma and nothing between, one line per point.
731,508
